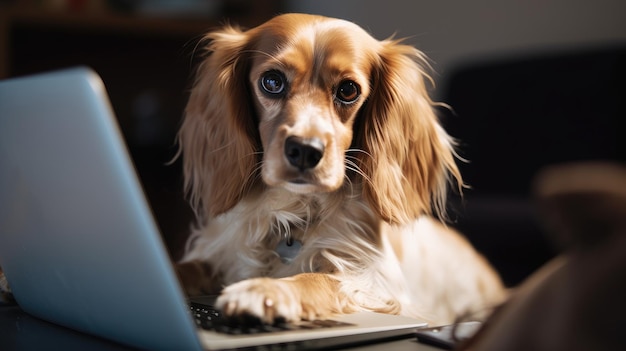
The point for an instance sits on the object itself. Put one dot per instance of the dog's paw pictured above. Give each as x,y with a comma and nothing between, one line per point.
268,300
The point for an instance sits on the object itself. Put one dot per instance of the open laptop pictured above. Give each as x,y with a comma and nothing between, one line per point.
78,242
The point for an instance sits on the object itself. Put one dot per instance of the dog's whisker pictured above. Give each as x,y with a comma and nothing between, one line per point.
352,166
349,186
256,171
255,175
348,151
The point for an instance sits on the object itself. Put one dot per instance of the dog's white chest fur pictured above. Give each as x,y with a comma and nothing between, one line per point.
323,238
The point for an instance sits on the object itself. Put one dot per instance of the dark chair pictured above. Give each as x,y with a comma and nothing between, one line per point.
513,117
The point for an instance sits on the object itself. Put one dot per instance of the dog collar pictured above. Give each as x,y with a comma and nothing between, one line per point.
288,249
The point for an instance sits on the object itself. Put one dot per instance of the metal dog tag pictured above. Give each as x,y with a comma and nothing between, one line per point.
288,250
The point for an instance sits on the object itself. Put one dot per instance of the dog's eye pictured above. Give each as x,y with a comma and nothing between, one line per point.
272,82
348,91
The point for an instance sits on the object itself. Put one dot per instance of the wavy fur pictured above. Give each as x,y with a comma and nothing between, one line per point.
408,156
381,165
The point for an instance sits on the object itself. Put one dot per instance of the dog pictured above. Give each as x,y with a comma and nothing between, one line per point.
318,171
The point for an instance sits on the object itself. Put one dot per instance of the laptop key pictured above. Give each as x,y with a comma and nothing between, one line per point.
211,319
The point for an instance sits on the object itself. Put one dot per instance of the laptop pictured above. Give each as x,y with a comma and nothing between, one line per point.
78,243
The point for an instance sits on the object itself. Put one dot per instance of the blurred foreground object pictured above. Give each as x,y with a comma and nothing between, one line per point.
576,301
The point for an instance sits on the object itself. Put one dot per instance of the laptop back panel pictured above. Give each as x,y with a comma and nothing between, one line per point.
73,217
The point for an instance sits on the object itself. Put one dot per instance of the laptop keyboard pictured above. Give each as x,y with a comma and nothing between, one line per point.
209,318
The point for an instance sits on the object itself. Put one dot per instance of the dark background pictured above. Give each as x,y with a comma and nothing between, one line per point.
514,112
146,61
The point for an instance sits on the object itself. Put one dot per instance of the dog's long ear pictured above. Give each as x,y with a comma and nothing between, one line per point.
218,138
408,158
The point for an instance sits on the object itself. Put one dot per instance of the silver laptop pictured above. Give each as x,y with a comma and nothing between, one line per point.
78,243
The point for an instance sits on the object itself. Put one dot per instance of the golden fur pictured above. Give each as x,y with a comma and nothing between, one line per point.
369,167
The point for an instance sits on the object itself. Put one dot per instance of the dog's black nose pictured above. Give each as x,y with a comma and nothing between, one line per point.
304,153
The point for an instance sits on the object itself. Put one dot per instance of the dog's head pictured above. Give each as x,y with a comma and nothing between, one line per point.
313,104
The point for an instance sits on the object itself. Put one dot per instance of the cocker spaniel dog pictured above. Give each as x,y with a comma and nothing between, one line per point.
316,165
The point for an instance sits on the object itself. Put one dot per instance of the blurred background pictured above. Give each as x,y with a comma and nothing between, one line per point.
530,83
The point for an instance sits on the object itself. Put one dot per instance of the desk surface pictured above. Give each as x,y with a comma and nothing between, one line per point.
20,331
